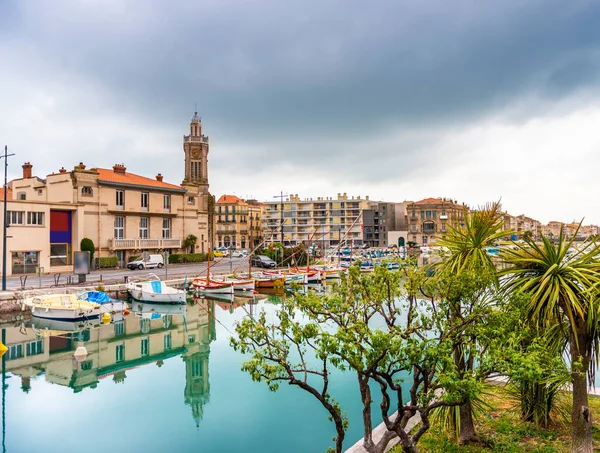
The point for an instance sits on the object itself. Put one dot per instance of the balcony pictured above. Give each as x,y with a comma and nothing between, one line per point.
141,244
191,138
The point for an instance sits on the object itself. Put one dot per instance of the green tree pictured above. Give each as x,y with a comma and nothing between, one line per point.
372,326
87,245
189,242
467,253
563,293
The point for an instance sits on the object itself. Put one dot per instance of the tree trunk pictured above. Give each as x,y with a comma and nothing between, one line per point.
365,395
581,416
409,447
467,427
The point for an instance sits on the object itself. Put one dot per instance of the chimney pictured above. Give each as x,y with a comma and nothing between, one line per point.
27,170
62,170
81,165
159,177
119,168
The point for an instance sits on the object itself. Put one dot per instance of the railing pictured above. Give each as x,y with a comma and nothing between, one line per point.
191,138
139,244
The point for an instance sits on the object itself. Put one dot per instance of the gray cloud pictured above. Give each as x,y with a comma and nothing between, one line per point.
318,84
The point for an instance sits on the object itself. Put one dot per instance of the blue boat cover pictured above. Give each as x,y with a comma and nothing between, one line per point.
156,287
99,297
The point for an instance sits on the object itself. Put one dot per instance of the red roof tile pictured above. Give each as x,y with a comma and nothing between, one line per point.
229,199
430,201
107,175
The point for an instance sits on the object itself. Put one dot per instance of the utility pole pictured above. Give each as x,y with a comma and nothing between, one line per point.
6,156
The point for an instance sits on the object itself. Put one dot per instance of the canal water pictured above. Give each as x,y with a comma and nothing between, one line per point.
160,379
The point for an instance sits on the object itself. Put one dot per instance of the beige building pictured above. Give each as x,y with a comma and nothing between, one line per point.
115,349
429,219
238,222
520,224
123,213
324,220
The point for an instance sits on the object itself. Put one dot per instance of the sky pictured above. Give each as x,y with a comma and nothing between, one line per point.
400,100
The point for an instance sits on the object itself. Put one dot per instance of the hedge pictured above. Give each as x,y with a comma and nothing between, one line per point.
176,258
109,261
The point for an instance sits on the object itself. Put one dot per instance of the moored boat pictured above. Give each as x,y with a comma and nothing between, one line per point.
155,291
61,307
239,284
209,286
107,303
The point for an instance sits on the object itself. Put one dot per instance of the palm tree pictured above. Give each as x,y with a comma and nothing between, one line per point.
467,253
563,292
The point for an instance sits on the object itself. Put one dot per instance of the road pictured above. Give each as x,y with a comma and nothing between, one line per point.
109,276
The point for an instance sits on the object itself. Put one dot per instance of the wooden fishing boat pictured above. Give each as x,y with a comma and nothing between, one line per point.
210,286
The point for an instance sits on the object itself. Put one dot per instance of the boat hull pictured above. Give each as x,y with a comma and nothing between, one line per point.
68,315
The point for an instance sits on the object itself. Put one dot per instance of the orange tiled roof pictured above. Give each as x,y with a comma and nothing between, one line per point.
429,201
229,199
8,192
109,175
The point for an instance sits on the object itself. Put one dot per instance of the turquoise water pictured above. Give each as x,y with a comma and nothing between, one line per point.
158,382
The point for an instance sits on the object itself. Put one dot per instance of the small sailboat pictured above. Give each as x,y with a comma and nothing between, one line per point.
206,285
239,284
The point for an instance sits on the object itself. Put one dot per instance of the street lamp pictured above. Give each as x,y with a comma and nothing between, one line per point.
6,155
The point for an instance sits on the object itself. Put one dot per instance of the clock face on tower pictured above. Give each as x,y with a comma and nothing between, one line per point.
196,153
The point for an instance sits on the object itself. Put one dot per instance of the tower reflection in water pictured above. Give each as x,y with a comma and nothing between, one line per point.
151,333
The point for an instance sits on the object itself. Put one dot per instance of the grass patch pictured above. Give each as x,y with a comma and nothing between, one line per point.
500,429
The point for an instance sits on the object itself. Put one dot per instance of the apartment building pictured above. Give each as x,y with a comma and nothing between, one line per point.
380,219
428,219
325,221
238,222
123,213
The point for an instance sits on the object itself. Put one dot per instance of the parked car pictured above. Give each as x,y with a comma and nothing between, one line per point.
218,253
239,253
263,261
152,262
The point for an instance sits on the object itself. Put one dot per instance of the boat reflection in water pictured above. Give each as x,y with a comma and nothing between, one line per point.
150,334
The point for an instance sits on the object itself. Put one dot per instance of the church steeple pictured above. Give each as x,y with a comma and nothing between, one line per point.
195,147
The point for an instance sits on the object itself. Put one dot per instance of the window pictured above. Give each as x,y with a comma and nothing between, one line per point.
191,200
443,227
167,341
195,170
144,227
424,240
191,339
15,217
86,190
60,255
167,320
15,352
120,352
166,228
145,201
119,328
167,202
21,196
87,365
429,227
428,214
35,347
119,227
24,262
196,368
120,201
413,215
145,346
35,218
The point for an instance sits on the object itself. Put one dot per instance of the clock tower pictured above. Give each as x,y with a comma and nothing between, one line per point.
195,147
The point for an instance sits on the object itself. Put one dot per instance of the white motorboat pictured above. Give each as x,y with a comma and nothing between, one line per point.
156,291
61,307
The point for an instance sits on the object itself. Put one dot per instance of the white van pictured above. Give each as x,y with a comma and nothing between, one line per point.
153,261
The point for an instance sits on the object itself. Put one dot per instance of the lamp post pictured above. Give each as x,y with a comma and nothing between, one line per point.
5,220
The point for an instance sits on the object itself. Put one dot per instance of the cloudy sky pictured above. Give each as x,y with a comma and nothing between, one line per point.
399,100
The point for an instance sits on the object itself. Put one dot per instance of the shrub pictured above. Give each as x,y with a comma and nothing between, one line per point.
174,258
87,245
108,261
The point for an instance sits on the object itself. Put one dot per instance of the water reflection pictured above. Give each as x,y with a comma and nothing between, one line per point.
152,333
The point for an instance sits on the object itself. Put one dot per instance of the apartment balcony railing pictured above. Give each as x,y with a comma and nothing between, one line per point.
140,244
